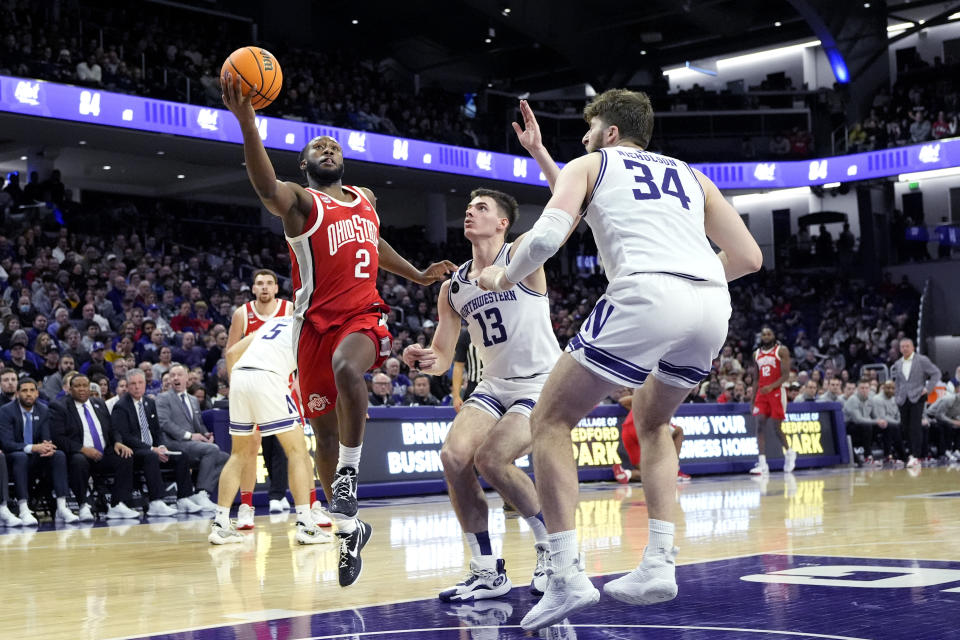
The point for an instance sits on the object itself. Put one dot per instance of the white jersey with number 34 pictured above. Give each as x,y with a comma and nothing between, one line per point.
646,214
271,348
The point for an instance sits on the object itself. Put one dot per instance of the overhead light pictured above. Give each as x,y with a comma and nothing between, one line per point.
389,181
831,185
866,5
489,85
747,58
161,152
954,16
23,157
753,198
487,40
180,176
643,52
83,142
453,190
107,167
505,11
777,23
354,21
926,175
921,21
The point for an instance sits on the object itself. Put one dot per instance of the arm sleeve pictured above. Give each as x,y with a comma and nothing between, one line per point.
540,243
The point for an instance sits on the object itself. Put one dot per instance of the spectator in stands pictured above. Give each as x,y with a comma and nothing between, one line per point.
89,72
920,129
164,362
793,390
941,126
420,395
860,415
8,385
914,376
18,361
80,427
808,392
400,382
179,415
381,395
189,353
53,384
120,390
97,361
834,392
27,441
888,422
779,145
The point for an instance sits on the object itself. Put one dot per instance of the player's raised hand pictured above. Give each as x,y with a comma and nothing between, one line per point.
494,278
436,272
419,358
235,101
529,134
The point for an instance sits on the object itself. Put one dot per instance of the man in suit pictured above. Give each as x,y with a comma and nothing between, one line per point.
180,420
82,429
26,441
915,376
136,424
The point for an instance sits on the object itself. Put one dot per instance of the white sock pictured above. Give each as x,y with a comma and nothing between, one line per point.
349,457
62,503
661,535
763,460
539,529
23,505
347,526
304,515
473,544
563,548
223,517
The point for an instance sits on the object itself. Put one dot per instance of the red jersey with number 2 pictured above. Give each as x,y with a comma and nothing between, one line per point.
335,260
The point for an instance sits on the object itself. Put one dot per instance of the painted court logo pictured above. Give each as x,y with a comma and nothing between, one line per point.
317,402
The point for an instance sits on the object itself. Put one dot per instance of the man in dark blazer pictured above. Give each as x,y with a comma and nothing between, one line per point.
180,420
137,426
915,376
25,439
82,429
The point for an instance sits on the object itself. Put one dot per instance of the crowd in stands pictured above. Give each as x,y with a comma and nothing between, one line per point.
924,105
154,51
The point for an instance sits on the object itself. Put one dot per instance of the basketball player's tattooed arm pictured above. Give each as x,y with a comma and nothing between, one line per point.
286,200
531,140
435,359
739,252
784,354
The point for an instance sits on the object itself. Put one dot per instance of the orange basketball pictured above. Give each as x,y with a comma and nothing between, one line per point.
256,67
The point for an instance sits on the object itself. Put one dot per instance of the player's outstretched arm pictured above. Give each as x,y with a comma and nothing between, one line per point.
436,359
739,252
531,140
286,200
237,350
551,230
396,264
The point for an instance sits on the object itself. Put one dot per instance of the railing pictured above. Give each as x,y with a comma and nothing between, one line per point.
838,143
883,371
924,317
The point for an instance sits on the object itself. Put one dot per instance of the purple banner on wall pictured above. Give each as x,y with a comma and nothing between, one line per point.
67,102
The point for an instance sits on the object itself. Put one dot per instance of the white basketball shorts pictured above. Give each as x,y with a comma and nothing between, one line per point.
655,323
500,396
261,398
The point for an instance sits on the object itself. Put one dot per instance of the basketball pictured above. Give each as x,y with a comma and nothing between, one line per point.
256,67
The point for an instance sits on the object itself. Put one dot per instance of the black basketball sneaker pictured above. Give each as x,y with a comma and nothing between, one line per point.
351,544
343,505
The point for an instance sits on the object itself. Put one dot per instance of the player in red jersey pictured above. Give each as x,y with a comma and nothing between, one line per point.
631,443
333,231
770,402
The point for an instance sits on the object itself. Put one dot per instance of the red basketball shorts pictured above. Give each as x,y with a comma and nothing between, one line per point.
318,389
772,405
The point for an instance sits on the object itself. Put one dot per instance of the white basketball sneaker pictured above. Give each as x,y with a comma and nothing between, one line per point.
760,469
487,578
539,583
224,535
311,534
320,518
245,517
568,590
653,581
790,460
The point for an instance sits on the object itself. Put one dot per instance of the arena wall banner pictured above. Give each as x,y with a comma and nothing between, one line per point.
401,448
43,99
